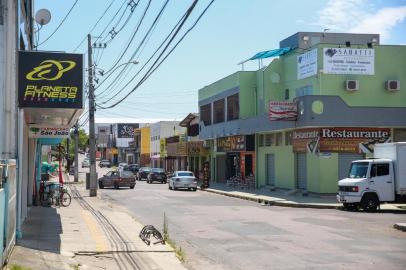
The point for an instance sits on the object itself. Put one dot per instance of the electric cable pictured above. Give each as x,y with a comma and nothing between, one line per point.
147,75
60,24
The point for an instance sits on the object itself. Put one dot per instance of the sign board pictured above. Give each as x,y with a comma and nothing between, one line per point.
50,80
349,61
231,144
48,132
126,130
307,64
196,148
282,111
343,139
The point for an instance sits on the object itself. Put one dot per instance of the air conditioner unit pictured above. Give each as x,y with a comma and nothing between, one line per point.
352,85
392,85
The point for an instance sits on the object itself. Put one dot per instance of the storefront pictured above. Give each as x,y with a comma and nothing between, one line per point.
235,156
197,155
176,156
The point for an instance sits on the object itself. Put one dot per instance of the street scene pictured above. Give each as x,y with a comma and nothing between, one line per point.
202,134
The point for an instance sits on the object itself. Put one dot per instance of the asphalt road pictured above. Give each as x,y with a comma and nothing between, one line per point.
218,232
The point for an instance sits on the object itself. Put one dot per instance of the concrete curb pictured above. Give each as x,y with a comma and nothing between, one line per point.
400,226
272,202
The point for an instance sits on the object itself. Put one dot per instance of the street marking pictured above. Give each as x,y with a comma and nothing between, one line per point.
97,235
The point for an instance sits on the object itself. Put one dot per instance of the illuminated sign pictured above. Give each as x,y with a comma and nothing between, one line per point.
50,80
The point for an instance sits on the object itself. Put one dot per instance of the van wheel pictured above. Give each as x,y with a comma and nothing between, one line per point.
101,186
116,186
370,202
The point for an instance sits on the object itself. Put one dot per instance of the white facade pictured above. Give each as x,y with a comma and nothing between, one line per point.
163,129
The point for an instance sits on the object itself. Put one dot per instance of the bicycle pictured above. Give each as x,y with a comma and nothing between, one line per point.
56,194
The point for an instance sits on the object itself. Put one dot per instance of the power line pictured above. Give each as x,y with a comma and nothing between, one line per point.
146,76
60,24
94,26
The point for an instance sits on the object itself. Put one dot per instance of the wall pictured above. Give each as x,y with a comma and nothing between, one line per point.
247,94
219,86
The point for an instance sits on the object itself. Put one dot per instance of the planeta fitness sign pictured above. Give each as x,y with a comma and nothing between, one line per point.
50,80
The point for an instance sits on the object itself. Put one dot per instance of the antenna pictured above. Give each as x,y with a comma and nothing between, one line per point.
43,16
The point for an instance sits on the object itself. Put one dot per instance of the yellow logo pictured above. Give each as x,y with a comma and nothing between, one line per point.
48,67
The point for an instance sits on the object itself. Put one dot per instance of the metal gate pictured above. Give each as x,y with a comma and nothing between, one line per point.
270,169
220,168
344,163
301,171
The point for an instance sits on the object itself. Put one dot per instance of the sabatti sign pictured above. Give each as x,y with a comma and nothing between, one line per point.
50,80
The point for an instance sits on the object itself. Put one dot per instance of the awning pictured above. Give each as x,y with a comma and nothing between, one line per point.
268,54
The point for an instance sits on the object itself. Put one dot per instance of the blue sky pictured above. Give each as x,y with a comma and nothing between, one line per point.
230,31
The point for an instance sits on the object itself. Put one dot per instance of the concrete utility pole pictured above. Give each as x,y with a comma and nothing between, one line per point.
76,133
92,141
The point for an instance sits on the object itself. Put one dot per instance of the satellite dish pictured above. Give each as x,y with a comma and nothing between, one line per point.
43,16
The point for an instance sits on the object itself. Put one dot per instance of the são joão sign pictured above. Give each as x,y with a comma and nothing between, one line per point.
48,132
50,80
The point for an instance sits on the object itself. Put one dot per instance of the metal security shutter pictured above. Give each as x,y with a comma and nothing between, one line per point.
270,169
344,162
301,171
399,135
221,168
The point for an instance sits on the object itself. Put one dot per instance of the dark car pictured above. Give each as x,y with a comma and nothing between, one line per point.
117,179
143,173
157,174
134,168
105,163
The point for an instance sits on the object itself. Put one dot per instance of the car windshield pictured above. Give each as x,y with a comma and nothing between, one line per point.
127,173
185,174
146,169
157,170
105,160
359,170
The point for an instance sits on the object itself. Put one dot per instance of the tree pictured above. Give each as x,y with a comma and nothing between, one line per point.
83,142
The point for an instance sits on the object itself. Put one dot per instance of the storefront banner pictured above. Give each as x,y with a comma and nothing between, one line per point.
196,148
349,61
50,80
307,64
126,130
348,140
48,132
282,111
162,148
231,144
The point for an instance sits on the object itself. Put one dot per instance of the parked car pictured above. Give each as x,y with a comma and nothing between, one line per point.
134,168
122,166
182,179
86,163
143,173
105,163
117,179
156,174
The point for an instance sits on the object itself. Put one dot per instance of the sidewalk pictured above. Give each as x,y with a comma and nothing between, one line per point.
286,198
89,234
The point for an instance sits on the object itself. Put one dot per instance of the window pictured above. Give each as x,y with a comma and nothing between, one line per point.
380,169
261,140
288,137
218,111
233,107
286,94
268,139
278,139
205,114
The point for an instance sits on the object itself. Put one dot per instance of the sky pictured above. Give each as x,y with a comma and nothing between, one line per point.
230,31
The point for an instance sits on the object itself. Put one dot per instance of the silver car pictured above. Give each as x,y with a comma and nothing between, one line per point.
182,179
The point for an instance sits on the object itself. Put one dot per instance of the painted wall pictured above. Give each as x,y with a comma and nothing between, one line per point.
322,173
284,166
247,96
219,86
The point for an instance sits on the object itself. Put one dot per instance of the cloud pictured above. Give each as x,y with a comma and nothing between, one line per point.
359,16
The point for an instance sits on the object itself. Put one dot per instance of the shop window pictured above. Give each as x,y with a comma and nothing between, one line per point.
288,137
205,114
278,139
233,107
268,139
261,140
218,111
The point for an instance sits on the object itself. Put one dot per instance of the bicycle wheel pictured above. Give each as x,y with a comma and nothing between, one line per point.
65,198
46,199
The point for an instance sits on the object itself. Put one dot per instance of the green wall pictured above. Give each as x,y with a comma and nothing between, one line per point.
322,173
247,94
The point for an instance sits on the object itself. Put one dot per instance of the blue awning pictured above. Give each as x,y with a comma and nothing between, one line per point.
271,53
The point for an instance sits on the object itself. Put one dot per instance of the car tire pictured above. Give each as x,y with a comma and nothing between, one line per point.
169,186
116,186
194,189
132,186
101,186
370,203
174,188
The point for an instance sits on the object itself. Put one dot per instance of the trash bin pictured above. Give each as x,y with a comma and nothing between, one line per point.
87,180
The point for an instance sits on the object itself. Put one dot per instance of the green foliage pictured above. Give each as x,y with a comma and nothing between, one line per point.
83,142
18,267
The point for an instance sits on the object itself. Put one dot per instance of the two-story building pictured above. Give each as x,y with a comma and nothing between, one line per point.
297,123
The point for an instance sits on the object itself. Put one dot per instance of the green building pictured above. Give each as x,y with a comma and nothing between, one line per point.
323,101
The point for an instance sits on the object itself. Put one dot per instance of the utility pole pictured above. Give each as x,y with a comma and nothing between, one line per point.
92,141
76,133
